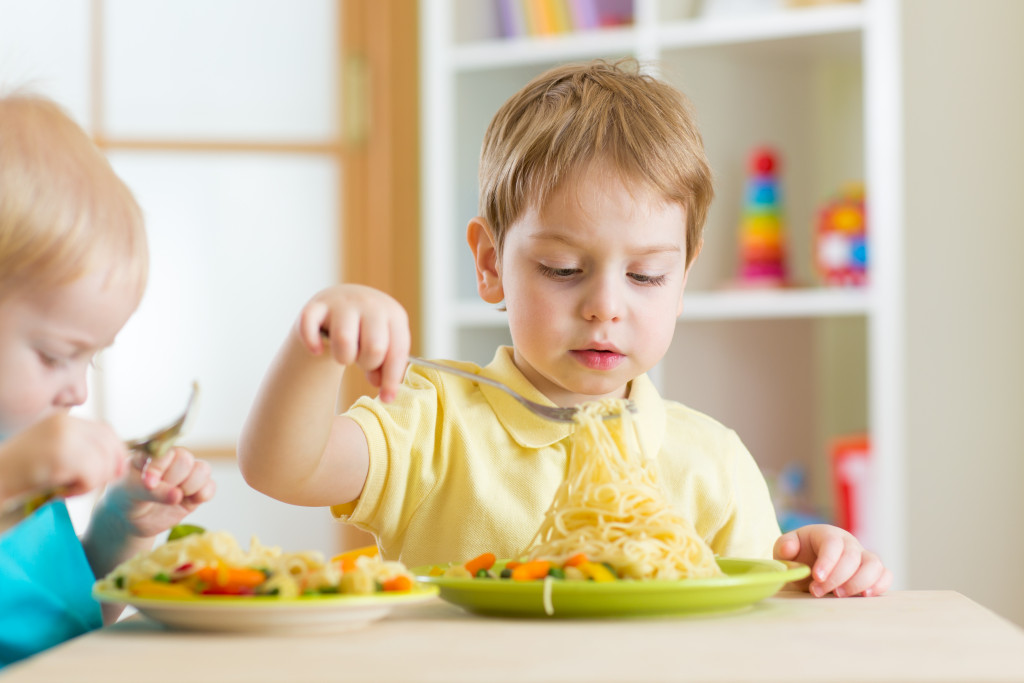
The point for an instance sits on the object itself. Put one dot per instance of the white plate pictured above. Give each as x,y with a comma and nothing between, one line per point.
297,616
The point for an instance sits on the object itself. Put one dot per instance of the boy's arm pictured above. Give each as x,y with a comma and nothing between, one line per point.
149,499
74,454
293,446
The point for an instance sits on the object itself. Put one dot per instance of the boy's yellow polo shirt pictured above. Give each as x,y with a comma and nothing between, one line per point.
457,469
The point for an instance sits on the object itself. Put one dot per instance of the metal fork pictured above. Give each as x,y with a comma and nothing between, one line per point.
159,442
154,446
547,412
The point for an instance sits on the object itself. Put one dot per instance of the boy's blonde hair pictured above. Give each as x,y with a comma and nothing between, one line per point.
64,213
607,112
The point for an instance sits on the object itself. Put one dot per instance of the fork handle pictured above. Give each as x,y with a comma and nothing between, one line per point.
473,377
456,371
547,412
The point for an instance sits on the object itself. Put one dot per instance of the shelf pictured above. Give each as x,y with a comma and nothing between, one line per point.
731,305
785,26
802,23
505,53
794,303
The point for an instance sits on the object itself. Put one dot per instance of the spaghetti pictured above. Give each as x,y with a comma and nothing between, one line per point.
612,509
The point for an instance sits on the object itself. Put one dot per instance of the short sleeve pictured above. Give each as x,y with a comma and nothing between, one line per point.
402,470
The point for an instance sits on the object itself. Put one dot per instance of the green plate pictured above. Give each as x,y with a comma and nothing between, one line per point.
745,583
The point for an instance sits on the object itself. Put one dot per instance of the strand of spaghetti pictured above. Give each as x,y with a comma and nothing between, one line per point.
612,508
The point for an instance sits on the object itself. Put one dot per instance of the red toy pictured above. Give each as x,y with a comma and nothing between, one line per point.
851,472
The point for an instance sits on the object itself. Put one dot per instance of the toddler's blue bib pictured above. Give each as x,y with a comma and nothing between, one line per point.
45,585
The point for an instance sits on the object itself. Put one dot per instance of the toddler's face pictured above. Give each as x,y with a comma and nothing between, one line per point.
48,337
593,284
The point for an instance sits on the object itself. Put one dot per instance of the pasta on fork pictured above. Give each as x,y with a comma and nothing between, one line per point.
612,509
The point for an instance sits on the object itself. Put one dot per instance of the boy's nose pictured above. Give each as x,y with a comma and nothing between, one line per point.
603,301
74,392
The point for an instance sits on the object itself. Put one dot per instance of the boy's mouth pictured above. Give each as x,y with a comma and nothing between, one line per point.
598,359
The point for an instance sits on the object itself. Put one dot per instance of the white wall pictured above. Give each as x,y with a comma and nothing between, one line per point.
965,316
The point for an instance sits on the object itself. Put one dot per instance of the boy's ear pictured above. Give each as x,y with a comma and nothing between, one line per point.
485,256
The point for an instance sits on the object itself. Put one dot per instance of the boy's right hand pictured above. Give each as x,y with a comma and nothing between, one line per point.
74,454
363,326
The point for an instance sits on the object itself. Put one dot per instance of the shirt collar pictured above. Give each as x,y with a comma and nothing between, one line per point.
530,431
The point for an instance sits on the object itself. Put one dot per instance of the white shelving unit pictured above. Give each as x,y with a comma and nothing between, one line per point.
788,369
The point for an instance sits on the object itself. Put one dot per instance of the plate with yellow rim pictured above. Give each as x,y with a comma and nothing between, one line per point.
269,614
744,583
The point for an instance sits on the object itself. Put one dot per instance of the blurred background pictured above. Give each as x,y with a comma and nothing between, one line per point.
855,315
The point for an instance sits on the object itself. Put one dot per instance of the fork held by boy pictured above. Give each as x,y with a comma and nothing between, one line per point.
155,446
556,413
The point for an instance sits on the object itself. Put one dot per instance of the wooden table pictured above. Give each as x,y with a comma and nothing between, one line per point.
903,636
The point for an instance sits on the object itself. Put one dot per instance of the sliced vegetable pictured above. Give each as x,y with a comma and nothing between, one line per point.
159,589
575,560
183,530
223,576
597,572
228,590
399,583
484,561
528,571
347,559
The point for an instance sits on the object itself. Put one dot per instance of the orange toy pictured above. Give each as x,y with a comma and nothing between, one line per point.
841,245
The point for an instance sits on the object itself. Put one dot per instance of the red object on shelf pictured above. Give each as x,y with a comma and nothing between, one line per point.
851,469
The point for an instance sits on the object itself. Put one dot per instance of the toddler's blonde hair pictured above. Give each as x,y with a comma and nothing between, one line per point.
64,213
600,112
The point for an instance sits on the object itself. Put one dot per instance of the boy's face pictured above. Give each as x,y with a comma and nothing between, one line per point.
48,337
593,284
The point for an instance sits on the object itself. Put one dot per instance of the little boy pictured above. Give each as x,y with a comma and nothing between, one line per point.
594,189
73,267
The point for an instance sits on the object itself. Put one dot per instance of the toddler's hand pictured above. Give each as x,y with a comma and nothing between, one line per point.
74,454
157,494
365,327
839,563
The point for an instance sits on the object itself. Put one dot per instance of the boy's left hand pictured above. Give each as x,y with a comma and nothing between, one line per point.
839,563
157,494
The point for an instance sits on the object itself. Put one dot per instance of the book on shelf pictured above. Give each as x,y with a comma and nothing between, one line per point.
518,18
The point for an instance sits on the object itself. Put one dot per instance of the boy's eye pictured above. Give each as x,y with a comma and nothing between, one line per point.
51,361
557,272
648,279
